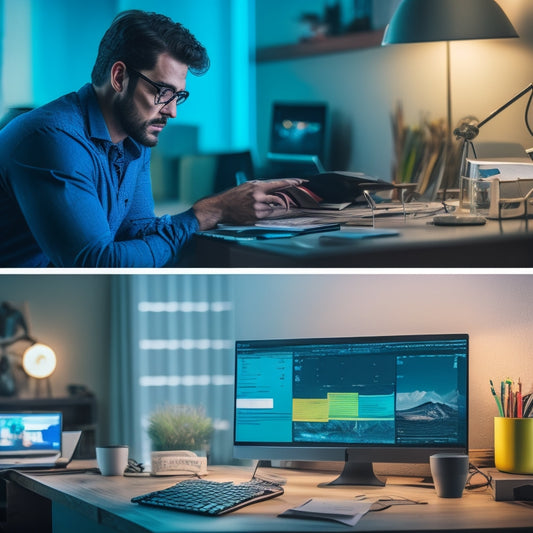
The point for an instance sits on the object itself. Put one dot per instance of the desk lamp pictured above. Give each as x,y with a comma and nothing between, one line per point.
417,21
38,361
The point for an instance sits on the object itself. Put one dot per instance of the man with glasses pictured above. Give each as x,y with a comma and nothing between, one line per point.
74,174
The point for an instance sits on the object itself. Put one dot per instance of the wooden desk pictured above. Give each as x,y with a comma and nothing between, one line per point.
91,503
507,243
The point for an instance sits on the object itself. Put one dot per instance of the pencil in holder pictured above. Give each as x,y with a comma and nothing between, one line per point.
513,445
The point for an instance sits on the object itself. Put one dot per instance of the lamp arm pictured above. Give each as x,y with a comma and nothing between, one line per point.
506,105
469,130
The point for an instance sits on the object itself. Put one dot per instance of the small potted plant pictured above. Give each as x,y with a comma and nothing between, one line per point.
180,439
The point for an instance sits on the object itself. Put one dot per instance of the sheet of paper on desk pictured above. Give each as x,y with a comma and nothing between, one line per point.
347,512
300,228
344,237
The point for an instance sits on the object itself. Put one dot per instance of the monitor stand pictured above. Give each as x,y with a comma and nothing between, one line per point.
356,473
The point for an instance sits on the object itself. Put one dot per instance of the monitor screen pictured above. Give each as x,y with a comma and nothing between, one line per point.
299,129
358,399
28,434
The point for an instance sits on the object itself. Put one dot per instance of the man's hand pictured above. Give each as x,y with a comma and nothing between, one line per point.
244,204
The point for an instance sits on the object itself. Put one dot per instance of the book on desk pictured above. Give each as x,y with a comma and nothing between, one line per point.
331,190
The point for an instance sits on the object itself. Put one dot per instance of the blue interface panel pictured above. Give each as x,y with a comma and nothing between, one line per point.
390,391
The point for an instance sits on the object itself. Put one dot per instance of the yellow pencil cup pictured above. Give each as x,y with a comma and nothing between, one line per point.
513,445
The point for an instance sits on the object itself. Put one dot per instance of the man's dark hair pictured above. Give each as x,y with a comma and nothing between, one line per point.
138,38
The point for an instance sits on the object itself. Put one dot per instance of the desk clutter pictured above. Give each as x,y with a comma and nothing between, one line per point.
347,512
216,498
327,201
220,497
360,219
493,189
324,202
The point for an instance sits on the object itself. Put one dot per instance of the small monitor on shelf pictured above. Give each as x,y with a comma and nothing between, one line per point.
386,399
298,137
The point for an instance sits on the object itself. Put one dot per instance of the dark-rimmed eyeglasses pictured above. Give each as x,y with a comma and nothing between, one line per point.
164,94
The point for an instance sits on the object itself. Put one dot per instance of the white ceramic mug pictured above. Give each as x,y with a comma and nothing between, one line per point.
449,472
112,460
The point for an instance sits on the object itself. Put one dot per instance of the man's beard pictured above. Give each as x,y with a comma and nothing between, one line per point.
132,123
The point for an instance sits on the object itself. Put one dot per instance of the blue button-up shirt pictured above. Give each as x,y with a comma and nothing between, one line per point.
69,197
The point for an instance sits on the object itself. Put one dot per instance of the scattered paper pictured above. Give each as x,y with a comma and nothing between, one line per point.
347,512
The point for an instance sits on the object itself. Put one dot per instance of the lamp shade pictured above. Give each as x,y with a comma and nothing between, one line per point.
417,21
39,361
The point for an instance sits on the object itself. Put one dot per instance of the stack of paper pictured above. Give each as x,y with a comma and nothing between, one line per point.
347,512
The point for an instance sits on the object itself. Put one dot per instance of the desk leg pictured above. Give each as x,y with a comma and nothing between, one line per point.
27,511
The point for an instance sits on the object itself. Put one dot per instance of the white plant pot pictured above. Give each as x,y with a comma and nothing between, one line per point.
178,463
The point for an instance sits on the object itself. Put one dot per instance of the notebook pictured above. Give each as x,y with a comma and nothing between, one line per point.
35,440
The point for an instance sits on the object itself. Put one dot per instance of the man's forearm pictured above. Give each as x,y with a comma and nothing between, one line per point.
251,201
209,212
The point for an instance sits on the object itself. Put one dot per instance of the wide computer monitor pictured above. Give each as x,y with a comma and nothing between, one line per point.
361,400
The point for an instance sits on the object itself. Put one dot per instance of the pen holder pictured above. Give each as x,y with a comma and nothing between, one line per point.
513,445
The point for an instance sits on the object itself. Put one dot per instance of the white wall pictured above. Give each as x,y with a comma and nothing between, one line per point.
495,310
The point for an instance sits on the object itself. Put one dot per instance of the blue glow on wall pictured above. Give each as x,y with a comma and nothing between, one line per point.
64,38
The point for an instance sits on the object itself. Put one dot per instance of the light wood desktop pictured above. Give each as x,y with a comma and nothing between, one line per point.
88,502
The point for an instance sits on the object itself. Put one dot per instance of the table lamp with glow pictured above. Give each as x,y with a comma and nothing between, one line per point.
417,21
38,361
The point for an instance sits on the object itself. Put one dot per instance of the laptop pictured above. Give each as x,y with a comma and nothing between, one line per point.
35,440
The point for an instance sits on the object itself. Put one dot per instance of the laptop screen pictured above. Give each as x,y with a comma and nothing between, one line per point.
27,434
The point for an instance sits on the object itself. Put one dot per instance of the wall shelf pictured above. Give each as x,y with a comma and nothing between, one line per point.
329,45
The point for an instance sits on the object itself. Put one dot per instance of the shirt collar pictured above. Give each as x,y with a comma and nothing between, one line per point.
96,124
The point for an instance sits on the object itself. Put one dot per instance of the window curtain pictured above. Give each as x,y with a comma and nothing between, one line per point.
172,342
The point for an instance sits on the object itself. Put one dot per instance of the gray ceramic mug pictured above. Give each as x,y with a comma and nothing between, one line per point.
449,472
